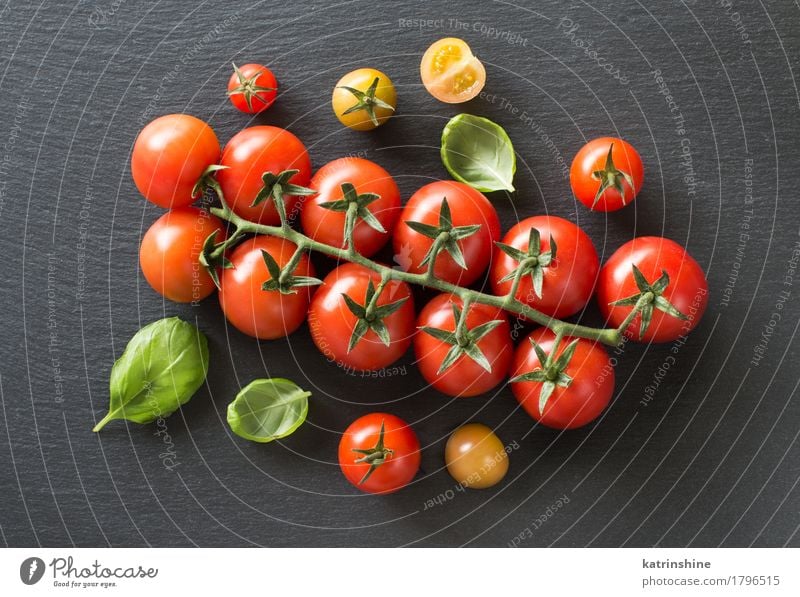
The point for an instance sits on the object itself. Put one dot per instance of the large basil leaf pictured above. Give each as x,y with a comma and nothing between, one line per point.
268,409
478,152
162,367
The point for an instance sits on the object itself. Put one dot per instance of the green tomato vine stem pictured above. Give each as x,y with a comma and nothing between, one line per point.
646,298
511,297
556,343
435,250
608,336
370,307
290,265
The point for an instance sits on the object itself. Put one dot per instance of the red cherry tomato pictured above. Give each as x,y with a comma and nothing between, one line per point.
465,377
252,88
567,280
588,393
379,453
327,226
170,251
170,155
467,207
621,177
332,322
687,290
265,314
248,156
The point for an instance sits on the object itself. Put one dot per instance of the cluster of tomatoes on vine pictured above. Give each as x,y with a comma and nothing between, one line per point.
447,235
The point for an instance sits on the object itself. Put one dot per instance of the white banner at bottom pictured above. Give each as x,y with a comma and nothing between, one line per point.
393,572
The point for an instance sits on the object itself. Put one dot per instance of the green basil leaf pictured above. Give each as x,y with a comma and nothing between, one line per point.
478,152
268,409
162,367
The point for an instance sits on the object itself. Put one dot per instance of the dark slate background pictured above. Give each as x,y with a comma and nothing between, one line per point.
711,460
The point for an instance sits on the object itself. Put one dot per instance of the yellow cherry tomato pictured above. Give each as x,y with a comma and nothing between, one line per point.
475,456
364,99
450,72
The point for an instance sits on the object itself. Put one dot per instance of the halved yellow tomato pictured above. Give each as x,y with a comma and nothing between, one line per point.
450,72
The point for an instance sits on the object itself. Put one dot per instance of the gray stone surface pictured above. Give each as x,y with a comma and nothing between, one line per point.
711,460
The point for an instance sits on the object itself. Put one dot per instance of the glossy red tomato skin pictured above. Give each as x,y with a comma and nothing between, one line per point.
170,250
258,102
467,206
567,283
247,156
587,396
398,470
465,378
266,315
591,158
327,226
170,155
331,322
687,289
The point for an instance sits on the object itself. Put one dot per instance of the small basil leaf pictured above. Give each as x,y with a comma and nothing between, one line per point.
478,152
268,409
162,367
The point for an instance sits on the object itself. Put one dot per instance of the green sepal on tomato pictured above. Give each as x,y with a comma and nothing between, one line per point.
360,323
467,210
252,88
254,161
248,299
462,352
379,453
364,99
352,181
564,389
557,262
659,273
606,174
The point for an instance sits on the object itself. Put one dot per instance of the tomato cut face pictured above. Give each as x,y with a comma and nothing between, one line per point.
264,314
673,278
363,341
374,192
379,453
450,72
170,251
580,390
561,271
169,156
248,157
